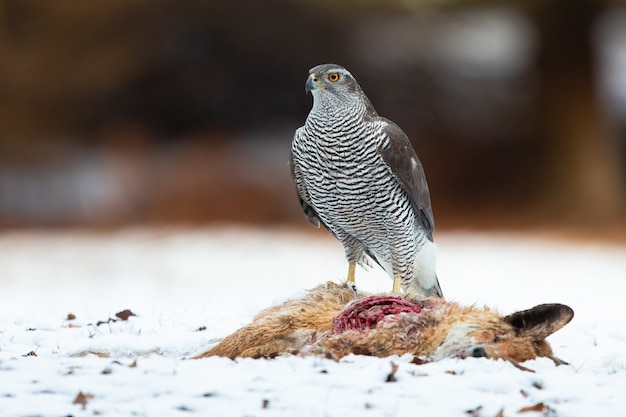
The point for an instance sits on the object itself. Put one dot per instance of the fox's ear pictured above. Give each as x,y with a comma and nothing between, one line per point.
540,321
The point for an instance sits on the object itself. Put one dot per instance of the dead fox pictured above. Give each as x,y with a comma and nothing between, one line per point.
336,321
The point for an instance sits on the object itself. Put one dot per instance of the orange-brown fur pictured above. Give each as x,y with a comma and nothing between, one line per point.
442,329
286,328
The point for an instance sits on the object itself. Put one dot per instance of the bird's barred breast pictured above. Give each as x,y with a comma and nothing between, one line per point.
351,188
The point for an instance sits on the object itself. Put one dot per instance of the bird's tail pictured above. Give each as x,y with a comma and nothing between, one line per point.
424,281
418,290
435,290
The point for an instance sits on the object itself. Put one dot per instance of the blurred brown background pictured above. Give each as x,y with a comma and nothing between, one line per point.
153,111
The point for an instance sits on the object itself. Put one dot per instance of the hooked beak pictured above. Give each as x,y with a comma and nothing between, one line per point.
312,83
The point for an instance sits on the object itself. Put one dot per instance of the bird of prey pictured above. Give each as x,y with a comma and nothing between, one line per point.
357,174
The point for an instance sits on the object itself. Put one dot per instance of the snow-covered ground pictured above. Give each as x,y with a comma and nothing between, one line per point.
189,288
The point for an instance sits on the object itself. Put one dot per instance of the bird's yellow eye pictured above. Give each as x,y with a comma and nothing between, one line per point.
333,77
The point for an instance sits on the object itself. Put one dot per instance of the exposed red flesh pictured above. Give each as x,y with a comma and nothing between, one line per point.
368,312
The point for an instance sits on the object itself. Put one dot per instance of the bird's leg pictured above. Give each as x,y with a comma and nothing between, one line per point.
353,253
397,281
351,269
349,281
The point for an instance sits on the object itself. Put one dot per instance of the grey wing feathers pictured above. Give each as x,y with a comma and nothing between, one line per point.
303,195
407,169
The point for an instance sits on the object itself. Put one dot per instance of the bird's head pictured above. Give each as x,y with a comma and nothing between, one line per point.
332,83
330,78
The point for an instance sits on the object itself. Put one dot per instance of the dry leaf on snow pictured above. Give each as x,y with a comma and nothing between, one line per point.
539,407
82,398
392,375
124,314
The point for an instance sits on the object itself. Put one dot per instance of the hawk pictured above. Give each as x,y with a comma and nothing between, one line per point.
357,174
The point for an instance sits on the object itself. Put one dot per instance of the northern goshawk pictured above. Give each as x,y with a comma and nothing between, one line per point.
357,174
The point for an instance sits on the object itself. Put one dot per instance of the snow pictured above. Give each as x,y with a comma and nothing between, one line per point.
188,288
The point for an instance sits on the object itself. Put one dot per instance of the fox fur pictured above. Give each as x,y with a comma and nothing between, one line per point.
441,329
